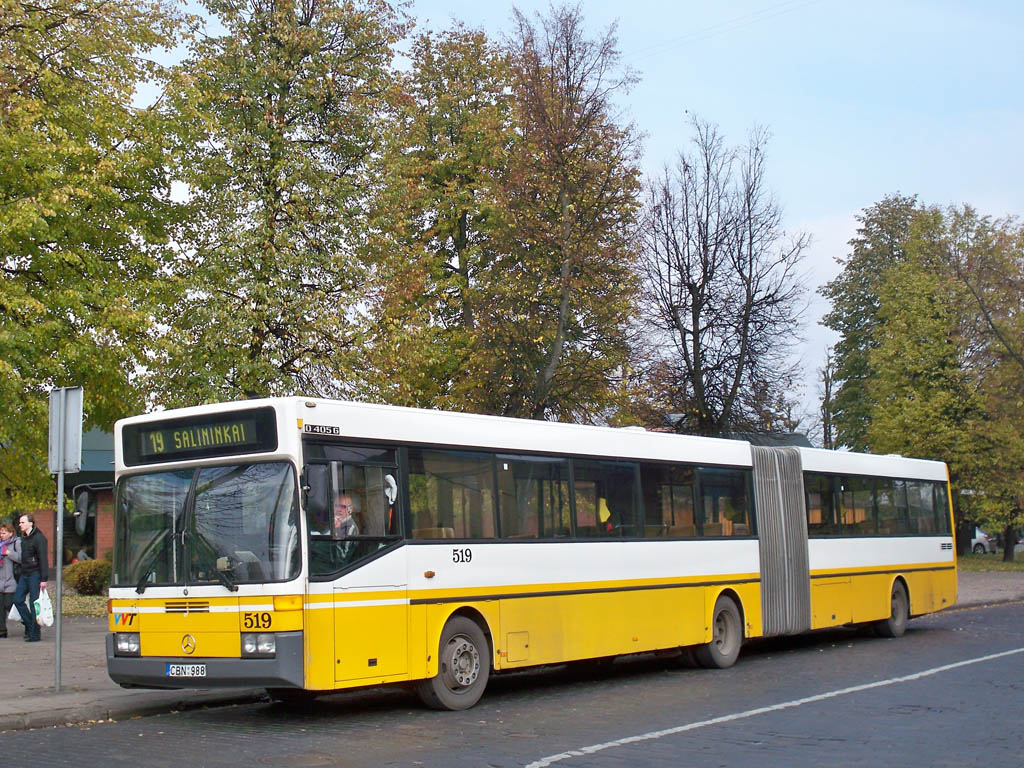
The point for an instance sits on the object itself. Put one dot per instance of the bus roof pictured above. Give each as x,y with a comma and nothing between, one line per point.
889,465
367,421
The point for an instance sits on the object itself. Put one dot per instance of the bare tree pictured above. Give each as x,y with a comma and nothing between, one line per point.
723,295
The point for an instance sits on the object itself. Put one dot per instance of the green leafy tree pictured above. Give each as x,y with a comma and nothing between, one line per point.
986,261
938,376
923,394
84,216
924,399
279,119
880,243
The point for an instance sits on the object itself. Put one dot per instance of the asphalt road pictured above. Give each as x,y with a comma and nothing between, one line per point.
951,692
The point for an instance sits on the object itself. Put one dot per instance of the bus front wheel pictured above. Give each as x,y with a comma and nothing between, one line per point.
726,637
463,667
899,613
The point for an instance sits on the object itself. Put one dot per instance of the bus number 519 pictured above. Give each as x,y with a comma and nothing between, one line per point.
462,555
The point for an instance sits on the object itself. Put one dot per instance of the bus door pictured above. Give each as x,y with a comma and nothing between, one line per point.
348,547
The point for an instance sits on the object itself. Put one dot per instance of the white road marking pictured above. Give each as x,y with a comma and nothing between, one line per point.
583,751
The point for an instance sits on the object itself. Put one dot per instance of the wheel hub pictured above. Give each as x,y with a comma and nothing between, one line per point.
464,665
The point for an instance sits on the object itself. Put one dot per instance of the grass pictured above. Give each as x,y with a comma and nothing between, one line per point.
84,605
981,563
73,604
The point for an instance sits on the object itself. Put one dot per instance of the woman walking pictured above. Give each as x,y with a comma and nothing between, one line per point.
10,556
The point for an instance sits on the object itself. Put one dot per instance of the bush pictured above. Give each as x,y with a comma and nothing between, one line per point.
88,577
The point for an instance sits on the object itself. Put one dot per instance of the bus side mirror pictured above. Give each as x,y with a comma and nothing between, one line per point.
85,502
85,497
317,491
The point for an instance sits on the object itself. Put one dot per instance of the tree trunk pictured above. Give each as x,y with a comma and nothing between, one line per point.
1009,542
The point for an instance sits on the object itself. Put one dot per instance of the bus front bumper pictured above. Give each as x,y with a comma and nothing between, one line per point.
284,670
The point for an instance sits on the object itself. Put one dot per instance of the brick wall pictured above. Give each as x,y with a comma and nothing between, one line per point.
104,523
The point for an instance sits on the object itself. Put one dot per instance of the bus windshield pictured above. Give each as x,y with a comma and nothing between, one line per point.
231,524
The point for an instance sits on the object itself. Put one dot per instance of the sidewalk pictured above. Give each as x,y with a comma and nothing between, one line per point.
30,701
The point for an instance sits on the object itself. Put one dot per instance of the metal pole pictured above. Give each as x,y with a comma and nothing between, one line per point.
59,544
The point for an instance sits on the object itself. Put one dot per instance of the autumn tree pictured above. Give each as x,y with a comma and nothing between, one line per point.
722,289
279,118
84,216
550,339
440,222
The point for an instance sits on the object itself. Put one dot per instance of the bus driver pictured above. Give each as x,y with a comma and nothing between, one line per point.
344,525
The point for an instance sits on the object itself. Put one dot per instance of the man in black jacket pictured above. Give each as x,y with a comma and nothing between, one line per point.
34,570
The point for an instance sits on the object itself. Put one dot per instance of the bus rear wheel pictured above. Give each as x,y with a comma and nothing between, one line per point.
726,637
899,613
463,667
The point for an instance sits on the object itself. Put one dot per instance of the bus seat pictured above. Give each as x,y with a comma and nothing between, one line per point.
712,529
682,531
433,533
651,531
740,529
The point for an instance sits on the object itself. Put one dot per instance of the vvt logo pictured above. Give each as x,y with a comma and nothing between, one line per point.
124,619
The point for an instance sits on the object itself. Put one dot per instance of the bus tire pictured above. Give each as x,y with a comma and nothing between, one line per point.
463,667
726,637
899,613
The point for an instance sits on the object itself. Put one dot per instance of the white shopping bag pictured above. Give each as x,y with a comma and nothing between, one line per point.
44,609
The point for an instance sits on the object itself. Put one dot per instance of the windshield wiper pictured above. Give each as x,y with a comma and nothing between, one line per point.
141,586
223,579
150,568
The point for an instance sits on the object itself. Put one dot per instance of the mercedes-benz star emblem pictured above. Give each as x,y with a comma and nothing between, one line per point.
188,644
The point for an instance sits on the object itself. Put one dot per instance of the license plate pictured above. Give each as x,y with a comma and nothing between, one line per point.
186,670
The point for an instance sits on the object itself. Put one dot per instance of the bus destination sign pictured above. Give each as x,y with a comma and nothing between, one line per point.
228,434
196,437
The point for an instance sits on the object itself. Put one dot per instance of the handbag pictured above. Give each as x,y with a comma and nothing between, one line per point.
44,609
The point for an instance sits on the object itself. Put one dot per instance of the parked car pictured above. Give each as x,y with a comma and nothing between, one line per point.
982,543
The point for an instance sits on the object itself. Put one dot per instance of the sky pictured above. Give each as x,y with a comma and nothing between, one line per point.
862,99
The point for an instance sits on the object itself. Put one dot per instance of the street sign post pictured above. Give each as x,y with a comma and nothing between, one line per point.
65,455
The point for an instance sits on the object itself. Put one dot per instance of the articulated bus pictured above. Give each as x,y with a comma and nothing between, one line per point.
309,546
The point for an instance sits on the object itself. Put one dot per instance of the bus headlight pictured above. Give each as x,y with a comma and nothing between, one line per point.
259,646
126,643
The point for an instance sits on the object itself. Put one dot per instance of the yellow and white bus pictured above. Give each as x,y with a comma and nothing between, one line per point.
311,545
